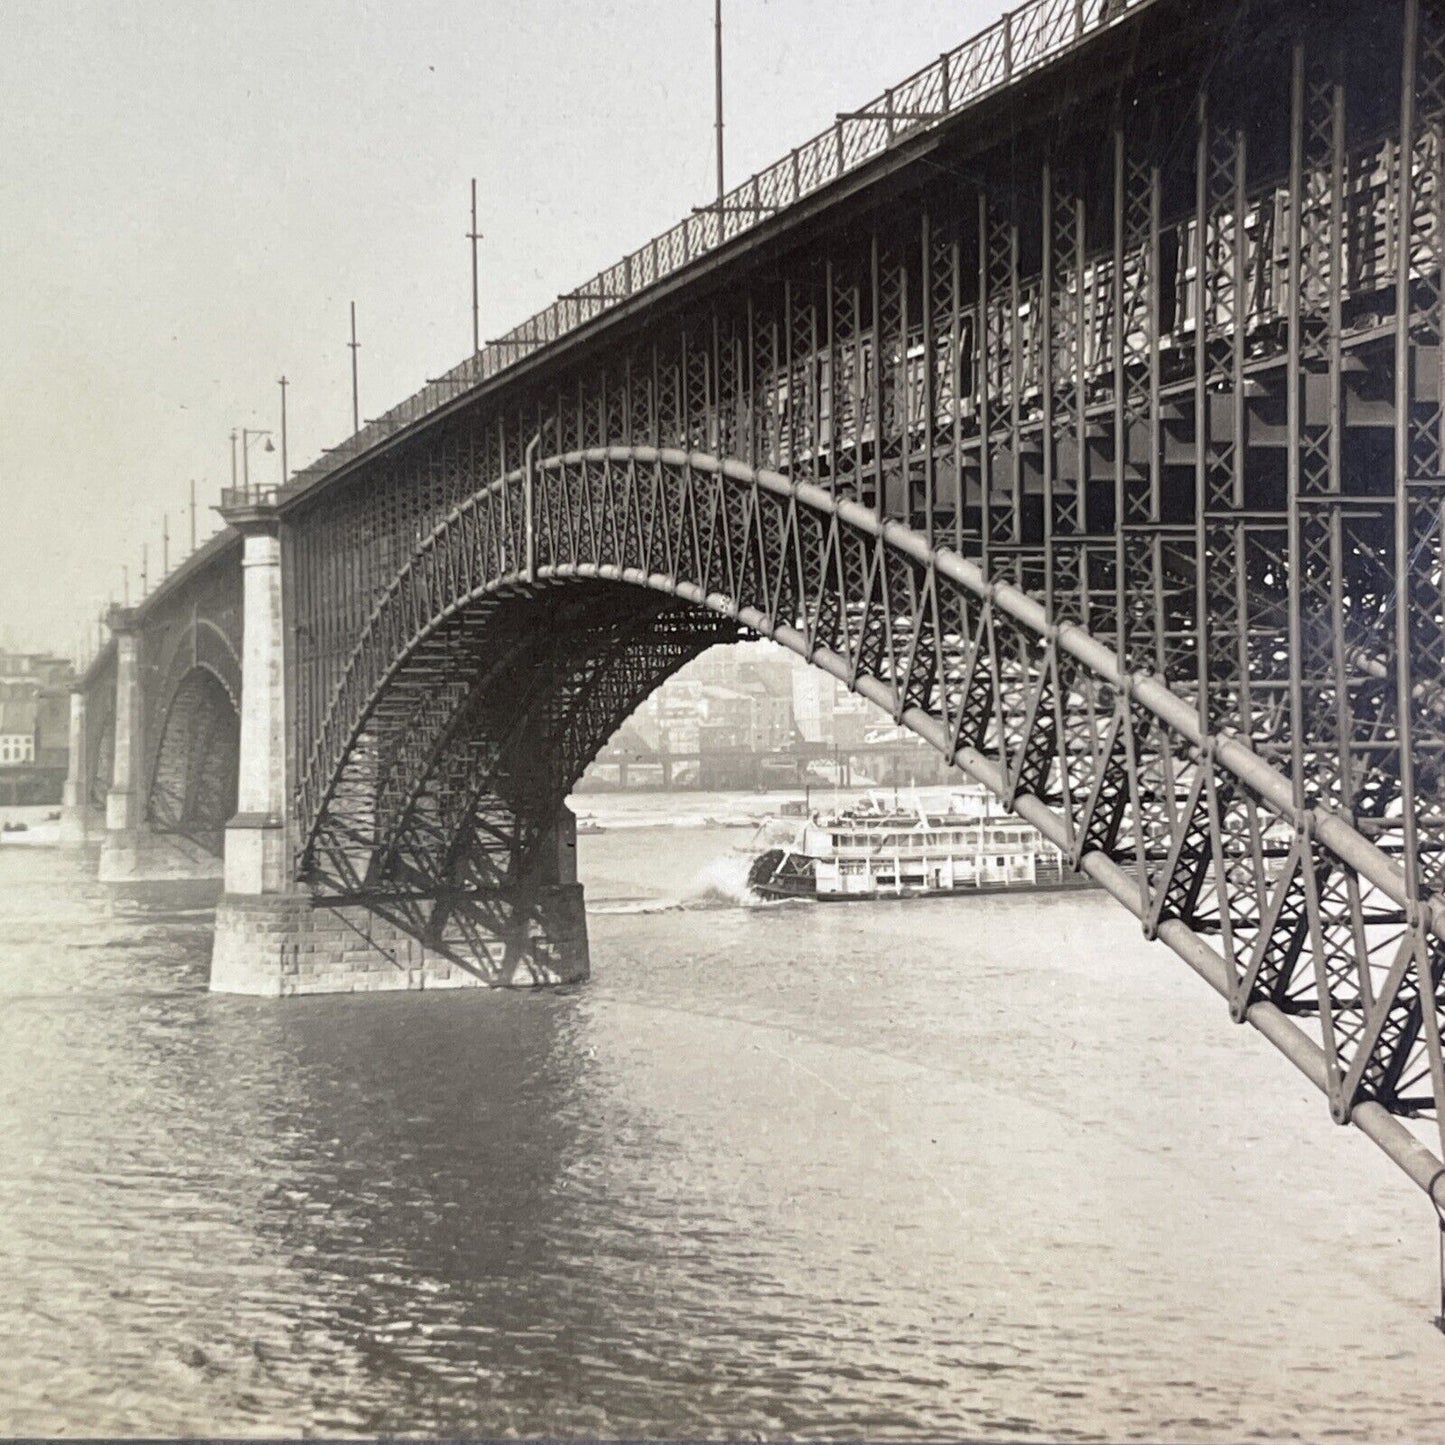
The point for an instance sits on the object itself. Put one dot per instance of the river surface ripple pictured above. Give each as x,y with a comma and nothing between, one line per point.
997,1168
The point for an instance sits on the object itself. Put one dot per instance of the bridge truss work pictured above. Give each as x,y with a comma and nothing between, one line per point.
1104,450
1092,425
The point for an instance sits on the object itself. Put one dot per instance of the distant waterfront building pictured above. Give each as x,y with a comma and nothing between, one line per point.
33,670
729,699
754,716
668,722
826,713
19,731
34,726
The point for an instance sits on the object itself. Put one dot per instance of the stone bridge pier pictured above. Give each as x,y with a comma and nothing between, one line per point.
80,821
279,933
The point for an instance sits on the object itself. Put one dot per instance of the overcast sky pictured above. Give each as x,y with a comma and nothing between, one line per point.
191,192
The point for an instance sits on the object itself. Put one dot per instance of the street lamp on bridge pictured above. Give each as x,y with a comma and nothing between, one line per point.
285,472
247,435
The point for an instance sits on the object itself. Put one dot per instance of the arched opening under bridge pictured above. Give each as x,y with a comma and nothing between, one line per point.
451,791
192,787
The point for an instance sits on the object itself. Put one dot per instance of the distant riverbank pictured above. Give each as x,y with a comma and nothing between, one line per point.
42,825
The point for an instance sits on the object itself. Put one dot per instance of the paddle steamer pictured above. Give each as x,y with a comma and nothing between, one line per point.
884,848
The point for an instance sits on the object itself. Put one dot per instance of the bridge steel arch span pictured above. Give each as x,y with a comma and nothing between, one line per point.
192,729
175,684
195,760
101,754
446,796
98,748
1191,830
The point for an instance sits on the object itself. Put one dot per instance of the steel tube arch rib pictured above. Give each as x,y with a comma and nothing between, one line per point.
1042,714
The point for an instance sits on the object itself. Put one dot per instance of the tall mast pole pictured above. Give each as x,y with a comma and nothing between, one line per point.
718,90
474,236
355,393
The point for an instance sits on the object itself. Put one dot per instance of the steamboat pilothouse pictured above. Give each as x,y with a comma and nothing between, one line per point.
882,848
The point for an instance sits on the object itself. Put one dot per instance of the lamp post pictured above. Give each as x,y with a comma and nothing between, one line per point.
285,471
248,435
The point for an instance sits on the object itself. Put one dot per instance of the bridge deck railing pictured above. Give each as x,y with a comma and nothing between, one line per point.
1032,35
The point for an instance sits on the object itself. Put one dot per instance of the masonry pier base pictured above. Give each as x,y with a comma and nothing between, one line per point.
80,824
140,855
288,945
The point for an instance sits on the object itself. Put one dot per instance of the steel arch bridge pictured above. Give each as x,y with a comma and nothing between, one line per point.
190,707
1080,402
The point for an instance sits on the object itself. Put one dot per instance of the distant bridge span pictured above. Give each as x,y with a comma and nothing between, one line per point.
1083,407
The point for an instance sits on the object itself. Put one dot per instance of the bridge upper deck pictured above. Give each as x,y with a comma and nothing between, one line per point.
1036,35
1025,43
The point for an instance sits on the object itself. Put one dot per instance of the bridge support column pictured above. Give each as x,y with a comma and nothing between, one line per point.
256,852
122,801
262,917
76,818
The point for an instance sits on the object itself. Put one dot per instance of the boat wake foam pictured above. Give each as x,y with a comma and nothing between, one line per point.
721,883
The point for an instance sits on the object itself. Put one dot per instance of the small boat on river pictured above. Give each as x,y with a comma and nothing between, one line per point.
882,848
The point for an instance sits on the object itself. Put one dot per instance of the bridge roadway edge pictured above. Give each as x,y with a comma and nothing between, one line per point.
1136,39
